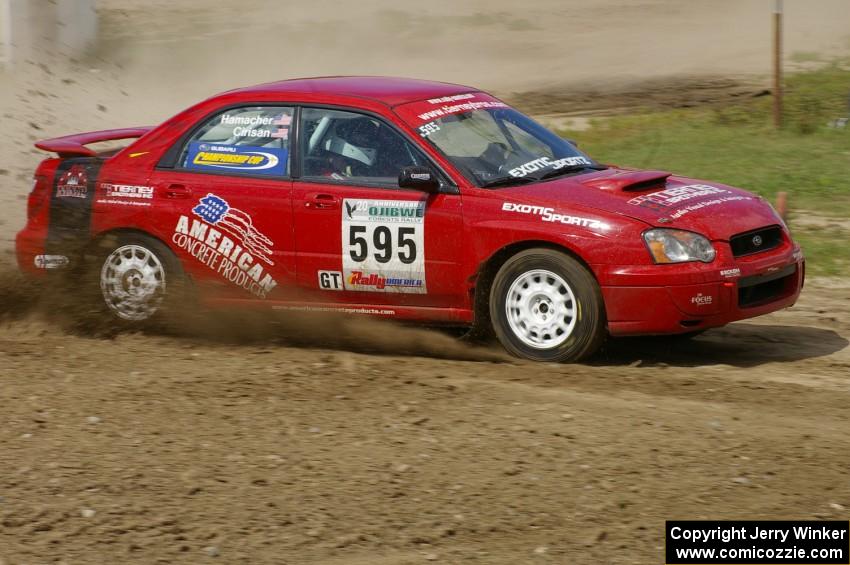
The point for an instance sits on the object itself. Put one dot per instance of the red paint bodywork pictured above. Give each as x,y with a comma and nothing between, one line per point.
464,232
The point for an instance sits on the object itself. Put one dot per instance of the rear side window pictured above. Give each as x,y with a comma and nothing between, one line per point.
252,140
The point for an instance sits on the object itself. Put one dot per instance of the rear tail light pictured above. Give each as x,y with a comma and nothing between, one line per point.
38,197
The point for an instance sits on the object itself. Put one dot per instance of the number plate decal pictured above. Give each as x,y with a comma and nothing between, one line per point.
383,245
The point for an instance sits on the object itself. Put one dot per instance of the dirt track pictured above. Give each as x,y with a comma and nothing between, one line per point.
153,448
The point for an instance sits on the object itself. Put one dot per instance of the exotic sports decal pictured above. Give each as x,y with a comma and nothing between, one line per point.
247,158
226,241
383,245
550,215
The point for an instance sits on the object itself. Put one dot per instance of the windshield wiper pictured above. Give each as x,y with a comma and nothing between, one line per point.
508,181
570,169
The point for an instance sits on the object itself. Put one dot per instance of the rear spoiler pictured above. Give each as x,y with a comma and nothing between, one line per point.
75,145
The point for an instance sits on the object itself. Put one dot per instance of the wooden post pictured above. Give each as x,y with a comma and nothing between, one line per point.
777,65
782,205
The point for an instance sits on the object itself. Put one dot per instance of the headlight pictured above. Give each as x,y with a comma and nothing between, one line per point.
678,246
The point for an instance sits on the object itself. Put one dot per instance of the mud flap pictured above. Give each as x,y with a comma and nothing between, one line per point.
71,201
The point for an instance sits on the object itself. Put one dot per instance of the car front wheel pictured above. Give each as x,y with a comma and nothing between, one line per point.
546,306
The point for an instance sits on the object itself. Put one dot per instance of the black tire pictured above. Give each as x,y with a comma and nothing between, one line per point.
533,327
131,263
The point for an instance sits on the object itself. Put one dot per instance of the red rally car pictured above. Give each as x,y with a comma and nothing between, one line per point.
404,199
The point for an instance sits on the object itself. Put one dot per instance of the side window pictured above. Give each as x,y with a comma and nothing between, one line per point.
252,140
347,146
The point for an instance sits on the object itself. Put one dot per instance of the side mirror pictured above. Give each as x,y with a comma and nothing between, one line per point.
419,178
572,142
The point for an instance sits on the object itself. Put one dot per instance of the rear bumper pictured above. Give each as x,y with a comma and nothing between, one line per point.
669,299
30,251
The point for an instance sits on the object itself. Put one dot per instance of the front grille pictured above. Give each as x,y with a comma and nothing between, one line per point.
761,289
756,241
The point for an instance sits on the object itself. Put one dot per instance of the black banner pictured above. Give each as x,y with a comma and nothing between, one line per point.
741,542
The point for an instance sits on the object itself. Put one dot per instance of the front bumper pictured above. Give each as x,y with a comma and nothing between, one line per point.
669,299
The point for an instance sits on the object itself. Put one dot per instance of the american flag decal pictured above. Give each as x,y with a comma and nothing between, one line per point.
215,210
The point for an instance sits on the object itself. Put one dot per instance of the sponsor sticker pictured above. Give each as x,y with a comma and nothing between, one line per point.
383,245
730,273
547,163
337,309
50,261
225,240
453,98
126,191
330,280
73,183
702,299
549,215
705,204
664,199
245,158
457,104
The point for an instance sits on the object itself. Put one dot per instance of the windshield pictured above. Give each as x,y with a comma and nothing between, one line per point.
491,143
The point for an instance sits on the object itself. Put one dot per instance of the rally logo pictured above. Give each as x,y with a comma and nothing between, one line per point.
387,211
226,241
379,282
73,183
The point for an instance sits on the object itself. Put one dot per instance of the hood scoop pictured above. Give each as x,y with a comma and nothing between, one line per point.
629,180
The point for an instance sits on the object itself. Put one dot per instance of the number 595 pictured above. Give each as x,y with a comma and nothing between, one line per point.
382,248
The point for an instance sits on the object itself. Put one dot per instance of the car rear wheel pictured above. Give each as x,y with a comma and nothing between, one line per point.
139,279
546,306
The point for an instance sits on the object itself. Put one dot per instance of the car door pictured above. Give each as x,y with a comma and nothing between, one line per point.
359,238
229,203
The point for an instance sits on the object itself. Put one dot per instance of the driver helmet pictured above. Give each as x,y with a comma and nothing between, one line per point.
353,138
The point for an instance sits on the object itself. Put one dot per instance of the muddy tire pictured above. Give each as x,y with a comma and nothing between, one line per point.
136,281
546,306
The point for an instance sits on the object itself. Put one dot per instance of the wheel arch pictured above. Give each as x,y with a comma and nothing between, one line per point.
95,245
99,238
489,267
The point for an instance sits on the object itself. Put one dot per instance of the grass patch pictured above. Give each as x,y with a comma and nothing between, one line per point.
737,145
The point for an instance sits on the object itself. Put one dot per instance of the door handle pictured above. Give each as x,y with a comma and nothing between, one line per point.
322,201
177,191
